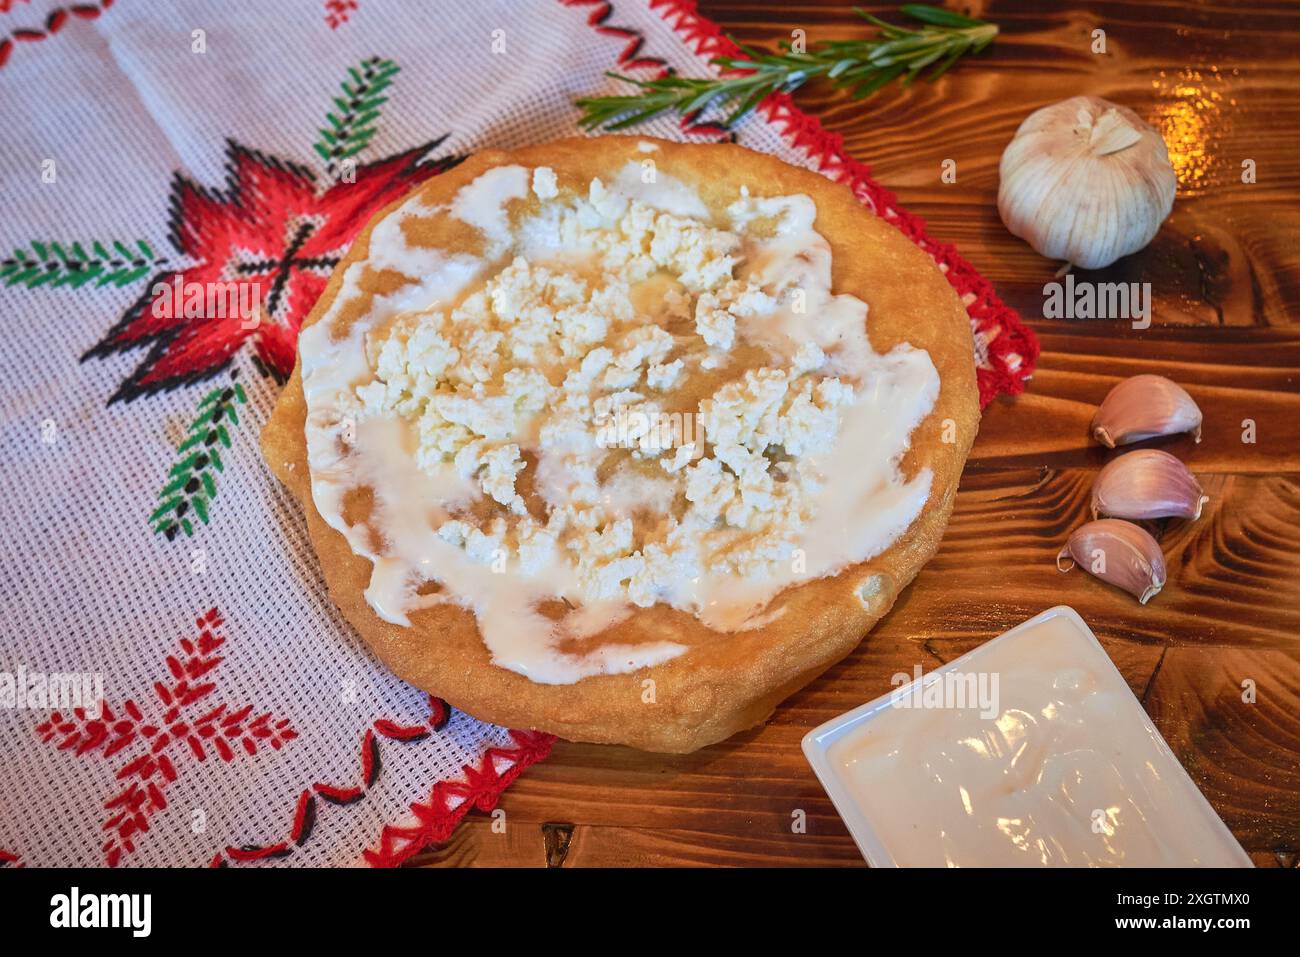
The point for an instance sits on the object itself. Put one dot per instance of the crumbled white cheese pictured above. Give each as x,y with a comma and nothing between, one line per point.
716,326
546,366
809,358
544,183
661,376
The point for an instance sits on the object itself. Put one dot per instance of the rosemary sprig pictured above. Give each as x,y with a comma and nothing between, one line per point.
859,66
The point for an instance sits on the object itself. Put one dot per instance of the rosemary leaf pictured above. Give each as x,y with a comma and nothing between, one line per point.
860,67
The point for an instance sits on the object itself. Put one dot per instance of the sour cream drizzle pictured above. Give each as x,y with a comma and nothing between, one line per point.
862,507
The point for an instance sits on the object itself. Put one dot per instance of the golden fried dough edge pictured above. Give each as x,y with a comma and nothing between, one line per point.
724,683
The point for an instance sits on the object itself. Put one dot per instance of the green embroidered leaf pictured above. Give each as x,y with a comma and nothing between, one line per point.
128,277
350,125
57,264
191,486
175,485
183,466
24,275
77,280
164,508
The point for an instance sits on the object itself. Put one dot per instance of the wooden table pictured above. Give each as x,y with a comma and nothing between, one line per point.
1221,83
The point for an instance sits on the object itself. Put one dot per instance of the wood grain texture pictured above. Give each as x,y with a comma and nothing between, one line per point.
1221,81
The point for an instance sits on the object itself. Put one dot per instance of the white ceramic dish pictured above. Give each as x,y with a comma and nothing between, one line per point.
1065,768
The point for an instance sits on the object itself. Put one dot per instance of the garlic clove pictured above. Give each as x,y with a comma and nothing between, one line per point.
1144,407
1147,483
1119,553
1087,181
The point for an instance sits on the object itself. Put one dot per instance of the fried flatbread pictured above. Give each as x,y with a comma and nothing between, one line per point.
724,682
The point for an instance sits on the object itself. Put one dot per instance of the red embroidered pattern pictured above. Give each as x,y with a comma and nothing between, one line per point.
273,230
630,57
171,726
337,12
481,787
54,22
304,814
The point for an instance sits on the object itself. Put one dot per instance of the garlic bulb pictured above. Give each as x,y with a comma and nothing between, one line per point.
1086,181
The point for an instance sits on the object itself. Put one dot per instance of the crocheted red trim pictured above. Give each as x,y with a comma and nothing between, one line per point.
480,788
55,21
1011,347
